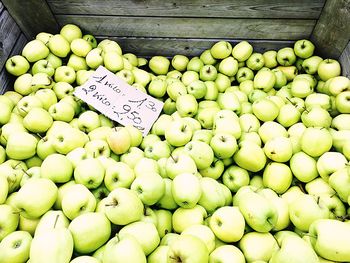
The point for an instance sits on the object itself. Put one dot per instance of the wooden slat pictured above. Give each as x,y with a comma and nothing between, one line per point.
345,61
307,9
1,7
32,16
9,33
276,29
147,47
332,31
6,80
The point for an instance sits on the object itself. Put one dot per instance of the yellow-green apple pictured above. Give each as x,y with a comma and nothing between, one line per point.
212,194
159,65
164,222
222,82
339,181
91,39
207,57
310,65
228,224
80,47
71,32
49,169
52,219
56,244
37,120
118,204
23,84
132,156
342,102
242,51
59,46
270,58
118,174
65,74
235,177
318,187
227,253
221,49
228,66
197,88
167,200
329,238
244,156
94,58
338,84
54,60
142,77
119,250
119,140
149,187
89,172
178,133
185,217
43,66
265,109
304,48
21,145
277,176
4,189
328,68
208,72
255,61
186,190
160,254
35,50
67,139
145,234
29,199
292,248
286,56
86,240
157,87
330,162
176,89
9,219
15,247
305,210
47,97
186,105
303,167
279,149
316,141
43,37
77,200
17,65
85,259
146,165
180,62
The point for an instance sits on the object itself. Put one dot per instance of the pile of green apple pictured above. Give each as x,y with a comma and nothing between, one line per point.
248,161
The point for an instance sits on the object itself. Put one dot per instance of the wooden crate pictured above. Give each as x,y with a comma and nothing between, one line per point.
150,27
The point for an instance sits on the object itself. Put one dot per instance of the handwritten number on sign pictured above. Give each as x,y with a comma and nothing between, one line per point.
140,102
135,117
89,89
151,105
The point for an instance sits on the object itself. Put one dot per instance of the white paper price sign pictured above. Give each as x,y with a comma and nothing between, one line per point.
119,101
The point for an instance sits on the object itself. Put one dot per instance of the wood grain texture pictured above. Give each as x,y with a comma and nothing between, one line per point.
276,29
32,16
345,61
147,47
6,80
332,31
9,33
307,9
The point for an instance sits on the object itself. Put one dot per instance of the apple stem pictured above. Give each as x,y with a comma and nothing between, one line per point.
25,172
39,135
54,226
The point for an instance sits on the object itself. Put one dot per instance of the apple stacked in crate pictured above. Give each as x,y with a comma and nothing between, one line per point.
248,161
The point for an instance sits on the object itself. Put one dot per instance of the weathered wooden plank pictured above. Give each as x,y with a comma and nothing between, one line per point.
332,31
9,33
345,61
275,29
147,47
307,9
32,16
6,80
1,7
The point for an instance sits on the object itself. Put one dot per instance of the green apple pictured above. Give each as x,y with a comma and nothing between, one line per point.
221,50
35,50
341,102
164,222
23,84
265,109
242,51
167,200
286,56
149,187
37,120
77,200
339,181
89,172
186,105
86,240
181,250
52,219
21,145
228,66
180,62
319,187
277,176
91,39
117,207
176,89
120,250
43,66
244,156
71,32
146,165
186,190
270,58
4,189
49,165
310,65
17,65
338,84
195,64
207,57
201,153
329,238
227,253
330,162
212,196
304,48
9,219
292,249
80,47
47,97
228,224
44,37
264,80
118,174
258,246
305,210
303,167
160,254
328,68
85,259
224,145
178,133
132,156
56,244
159,65
222,82
316,141
59,46
145,234
94,58
15,247
185,217
157,87
234,177
29,199
119,140
65,74
255,61
258,211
